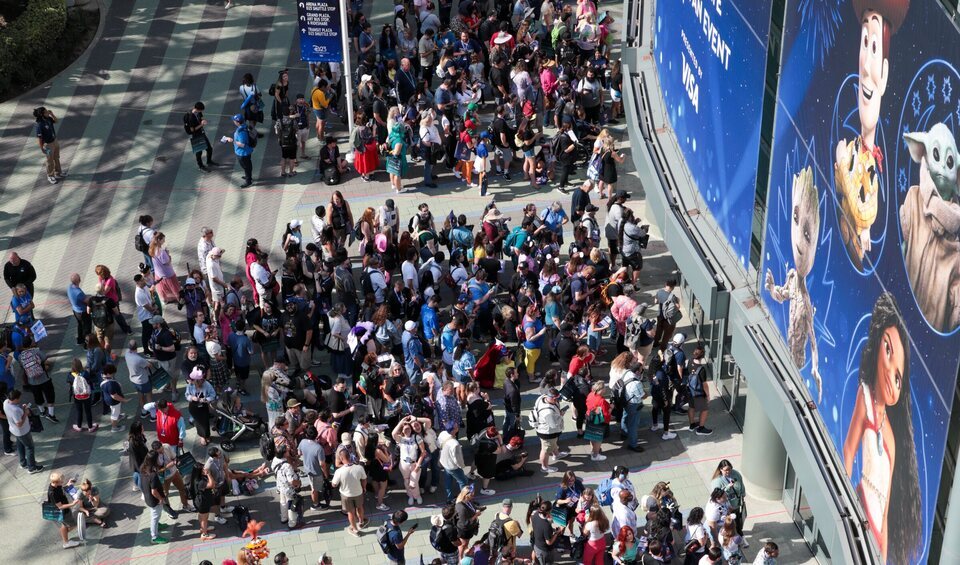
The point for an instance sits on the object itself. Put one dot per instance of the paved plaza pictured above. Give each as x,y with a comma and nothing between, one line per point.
124,149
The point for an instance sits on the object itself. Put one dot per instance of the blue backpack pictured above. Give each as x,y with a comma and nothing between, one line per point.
603,492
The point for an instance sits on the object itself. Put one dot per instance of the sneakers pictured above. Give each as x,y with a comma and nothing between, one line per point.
35,470
159,540
548,469
364,523
383,508
692,428
207,536
506,176
77,428
353,532
53,180
457,174
227,509
188,508
94,427
598,457
409,501
419,501
247,183
704,431
563,454
9,452
668,436
70,544
487,492
220,520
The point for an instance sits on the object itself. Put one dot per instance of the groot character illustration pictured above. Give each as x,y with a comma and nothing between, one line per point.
859,161
930,222
804,233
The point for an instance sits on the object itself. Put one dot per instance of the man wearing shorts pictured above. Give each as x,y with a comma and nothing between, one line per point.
113,397
352,482
164,348
139,368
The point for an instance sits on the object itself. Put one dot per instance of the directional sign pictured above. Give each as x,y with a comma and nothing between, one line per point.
319,24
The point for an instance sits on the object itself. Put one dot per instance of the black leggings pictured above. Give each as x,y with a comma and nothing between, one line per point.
209,152
84,408
664,409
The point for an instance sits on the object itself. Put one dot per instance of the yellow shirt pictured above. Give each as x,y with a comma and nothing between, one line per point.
479,253
319,99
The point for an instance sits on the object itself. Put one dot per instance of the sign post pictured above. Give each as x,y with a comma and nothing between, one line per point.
323,38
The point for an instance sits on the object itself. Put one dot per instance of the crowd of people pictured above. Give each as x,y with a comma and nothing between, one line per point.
375,373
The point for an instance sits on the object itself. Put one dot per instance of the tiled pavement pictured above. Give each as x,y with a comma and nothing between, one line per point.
122,144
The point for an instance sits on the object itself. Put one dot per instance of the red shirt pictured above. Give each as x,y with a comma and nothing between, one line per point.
595,401
167,430
577,363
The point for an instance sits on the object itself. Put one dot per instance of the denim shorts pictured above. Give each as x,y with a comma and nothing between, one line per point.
320,113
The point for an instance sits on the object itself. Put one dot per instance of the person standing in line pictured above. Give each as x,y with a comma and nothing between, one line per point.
194,123
145,233
78,303
243,148
146,309
113,397
18,419
139,367
699,390
351,479
151,488
288,483
19,271
666,317
303,125
216,280
47,139
286,129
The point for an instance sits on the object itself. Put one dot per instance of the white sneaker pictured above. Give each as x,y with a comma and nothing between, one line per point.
53,180
70,544
409,501
227,509
419,501
598,457
548,469
668,435
487,492
656,427
383,508
457,174
563,454
220,520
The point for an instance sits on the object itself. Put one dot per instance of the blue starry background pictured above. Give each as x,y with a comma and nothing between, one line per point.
816,108
721,141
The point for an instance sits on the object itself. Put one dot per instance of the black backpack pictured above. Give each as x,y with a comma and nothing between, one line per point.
139,243
187,127
496,536
251,138
268,449
331,175
242,514
366,285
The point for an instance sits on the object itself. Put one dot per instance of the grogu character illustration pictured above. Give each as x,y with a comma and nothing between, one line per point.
804,234
930,222
859,161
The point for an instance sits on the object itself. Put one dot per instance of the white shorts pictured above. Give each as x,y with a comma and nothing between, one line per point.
303,135
115,411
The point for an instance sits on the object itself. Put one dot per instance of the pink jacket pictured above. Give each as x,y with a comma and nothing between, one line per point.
621,310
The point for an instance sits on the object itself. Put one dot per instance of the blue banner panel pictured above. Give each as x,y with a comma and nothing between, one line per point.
711,57
861,253
319,24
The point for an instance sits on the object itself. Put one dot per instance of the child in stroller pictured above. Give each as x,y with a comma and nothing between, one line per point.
234,422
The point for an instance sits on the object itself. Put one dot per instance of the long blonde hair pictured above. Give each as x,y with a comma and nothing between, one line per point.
157,243
597,515
266,379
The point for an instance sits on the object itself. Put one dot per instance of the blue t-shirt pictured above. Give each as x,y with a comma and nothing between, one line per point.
448,341
241,348
463,367
552,310
412,349
537,343
395,537
242,135
482,149
553,220
6,376
477,291
45,131
428,318
109,388
21,301
77,299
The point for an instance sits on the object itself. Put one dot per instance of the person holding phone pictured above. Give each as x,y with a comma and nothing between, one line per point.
396,539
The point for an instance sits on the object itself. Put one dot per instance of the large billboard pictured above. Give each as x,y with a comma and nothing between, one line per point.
710,56
861,255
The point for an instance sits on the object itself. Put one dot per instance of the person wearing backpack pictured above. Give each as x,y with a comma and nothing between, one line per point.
675,366
286,129
81,388
34,367
547,419
392,540
632,395
699,391
243,141
668,315
443,535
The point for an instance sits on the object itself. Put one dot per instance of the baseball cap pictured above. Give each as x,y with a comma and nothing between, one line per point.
190,280
238,118
591,208
506,502
410,325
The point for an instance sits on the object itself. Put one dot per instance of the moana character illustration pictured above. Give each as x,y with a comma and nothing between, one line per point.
859,161
804,234
930,222
881,432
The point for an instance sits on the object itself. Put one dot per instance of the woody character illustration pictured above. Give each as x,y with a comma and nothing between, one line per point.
859,162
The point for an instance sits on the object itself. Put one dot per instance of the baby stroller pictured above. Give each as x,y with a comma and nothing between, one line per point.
234,424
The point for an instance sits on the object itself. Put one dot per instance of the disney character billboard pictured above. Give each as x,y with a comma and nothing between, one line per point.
711,57
865,284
